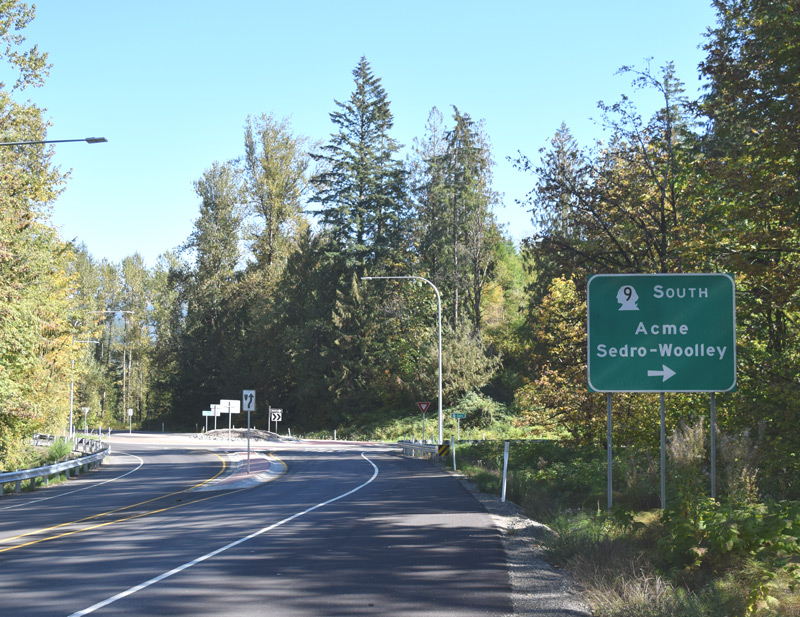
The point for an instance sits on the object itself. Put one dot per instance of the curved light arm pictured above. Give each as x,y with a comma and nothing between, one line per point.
88,140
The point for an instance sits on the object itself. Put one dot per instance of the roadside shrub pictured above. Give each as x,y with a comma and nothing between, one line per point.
481,411
686,452
761,539
58,451
737,455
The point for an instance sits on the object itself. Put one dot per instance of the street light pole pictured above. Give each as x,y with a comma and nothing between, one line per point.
439,307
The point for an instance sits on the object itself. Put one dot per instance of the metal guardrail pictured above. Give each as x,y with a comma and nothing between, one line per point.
94,452
410,448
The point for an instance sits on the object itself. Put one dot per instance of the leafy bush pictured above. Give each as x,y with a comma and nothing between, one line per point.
58,451
763,539
481,411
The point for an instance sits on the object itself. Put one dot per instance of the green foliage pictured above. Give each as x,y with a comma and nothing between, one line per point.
481,411
58,451
30,64
457,233
361,184
35,282
715,537
699,558
275,180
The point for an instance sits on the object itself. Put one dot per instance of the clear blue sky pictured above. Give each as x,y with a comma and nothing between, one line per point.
170,84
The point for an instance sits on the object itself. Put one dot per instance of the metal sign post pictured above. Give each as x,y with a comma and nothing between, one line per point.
248,404
276,415
458,417
609,453
661,333
130,421
230,407
423,407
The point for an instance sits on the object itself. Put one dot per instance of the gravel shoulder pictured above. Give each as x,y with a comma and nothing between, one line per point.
537,588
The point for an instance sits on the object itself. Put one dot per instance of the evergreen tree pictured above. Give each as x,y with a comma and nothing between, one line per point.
455,198
361,187
431,221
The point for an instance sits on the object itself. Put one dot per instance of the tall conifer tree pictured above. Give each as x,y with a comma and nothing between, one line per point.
361,187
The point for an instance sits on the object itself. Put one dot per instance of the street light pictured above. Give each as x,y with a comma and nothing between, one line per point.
439,306
88,140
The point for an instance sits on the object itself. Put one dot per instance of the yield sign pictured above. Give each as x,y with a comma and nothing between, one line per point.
423,407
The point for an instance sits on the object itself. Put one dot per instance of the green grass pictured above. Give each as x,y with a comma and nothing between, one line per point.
622,559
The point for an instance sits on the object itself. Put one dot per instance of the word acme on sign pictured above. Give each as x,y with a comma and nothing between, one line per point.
661,333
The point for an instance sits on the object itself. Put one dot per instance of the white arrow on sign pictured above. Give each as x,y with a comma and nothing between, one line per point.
665,372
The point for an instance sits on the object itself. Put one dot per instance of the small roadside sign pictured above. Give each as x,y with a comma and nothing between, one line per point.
249,400
249,404
208,412
423,407
276,415
459,416
230,406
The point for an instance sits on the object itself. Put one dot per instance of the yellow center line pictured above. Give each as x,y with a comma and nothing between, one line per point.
120,520
88,518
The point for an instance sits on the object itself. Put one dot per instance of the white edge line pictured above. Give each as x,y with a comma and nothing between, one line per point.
85,488
222,549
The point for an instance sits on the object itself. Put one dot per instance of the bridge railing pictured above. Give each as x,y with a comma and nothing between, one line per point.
93,451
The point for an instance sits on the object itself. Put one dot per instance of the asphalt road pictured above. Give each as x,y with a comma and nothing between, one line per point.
165,529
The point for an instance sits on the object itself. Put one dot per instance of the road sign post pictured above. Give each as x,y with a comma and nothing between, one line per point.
206,414
458,417
276,415
661,333
215,412
248,404
423,407
230,407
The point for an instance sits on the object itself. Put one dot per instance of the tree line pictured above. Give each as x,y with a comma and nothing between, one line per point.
267,293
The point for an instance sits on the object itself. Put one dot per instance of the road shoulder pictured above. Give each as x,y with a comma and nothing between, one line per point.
537,588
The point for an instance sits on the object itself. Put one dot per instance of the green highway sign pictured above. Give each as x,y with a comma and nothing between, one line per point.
459,416
661,333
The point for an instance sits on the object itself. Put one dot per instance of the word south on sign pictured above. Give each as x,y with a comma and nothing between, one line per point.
661,333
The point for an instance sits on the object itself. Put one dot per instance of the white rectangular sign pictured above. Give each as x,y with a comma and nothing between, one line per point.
230,406
215,410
